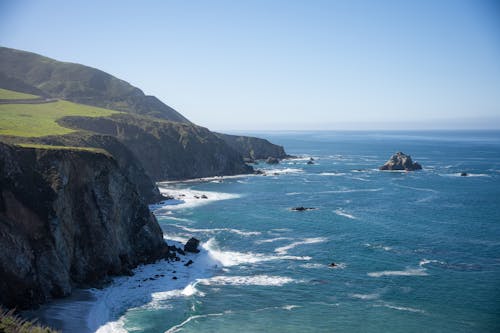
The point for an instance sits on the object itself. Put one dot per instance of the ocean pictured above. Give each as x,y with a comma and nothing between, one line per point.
413,251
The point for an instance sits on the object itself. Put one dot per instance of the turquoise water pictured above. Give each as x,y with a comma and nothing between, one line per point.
415,252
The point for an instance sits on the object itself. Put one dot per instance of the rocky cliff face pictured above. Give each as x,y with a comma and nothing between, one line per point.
168,150
253,148
67,218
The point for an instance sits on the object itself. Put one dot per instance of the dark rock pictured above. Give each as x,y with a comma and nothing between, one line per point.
192,245
310,162
333,264
464,174
204,196
174,278
301,208
248,160
400,161
258,172
272,160
190,262
68,218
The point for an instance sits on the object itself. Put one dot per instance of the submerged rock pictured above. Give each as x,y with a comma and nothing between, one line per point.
192,245
401,161
464,174
190,262
272,160
301,208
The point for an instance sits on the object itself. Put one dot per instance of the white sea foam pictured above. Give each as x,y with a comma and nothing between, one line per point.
272,240
187,198
424,262
313,265
178,327
216,230
468,175
150,287
282,171
400,308
290,307
378,246
334,174
284,249
406,272
233,258
341,212
254,280
293,193
366,297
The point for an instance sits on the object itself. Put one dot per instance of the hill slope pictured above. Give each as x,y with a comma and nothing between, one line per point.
32,73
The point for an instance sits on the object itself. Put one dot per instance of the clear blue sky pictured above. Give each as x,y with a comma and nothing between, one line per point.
284,64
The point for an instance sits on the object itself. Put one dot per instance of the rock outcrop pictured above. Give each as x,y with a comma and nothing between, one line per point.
167,150
253,148
272,160
400,161
192,245
68,218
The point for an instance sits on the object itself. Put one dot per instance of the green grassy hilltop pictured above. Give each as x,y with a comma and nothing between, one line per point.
36,120
9,94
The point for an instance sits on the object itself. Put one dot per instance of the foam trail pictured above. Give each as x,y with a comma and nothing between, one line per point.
272,240
187,198
341,212
178,327
215,230
406,272
366,297
233,258
255,280
401,308
284,249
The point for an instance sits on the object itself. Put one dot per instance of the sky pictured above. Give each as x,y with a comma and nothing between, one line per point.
284,65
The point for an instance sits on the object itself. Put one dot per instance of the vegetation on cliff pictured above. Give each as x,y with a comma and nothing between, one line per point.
12,323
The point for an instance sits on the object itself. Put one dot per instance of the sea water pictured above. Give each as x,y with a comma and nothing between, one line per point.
413,251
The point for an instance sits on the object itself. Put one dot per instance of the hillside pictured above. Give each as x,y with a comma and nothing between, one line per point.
31,73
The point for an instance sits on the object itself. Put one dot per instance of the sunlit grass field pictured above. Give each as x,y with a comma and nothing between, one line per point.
36,120
9,94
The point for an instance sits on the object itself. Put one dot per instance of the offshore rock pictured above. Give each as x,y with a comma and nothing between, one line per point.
192,245
68,218
272,160
401,161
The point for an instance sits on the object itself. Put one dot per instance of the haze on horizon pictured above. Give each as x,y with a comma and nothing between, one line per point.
284,65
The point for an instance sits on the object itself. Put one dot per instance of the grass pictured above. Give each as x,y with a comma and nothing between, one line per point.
9,94
37,120
41,146
10,323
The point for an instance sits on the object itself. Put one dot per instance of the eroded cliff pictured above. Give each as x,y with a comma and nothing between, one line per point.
68,218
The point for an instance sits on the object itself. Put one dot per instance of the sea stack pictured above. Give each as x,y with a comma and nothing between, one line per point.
401,161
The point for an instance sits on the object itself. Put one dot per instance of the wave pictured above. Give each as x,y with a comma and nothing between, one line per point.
233,258
313,265
334,174
285,171
293,193
406,272
150,287
272,240
366,297
400,308
284,249
215,230
459,174
254,280
378,246
178,327
187,198
341,212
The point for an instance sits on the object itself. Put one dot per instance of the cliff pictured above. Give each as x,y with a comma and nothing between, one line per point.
167,150
253,148
68,218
